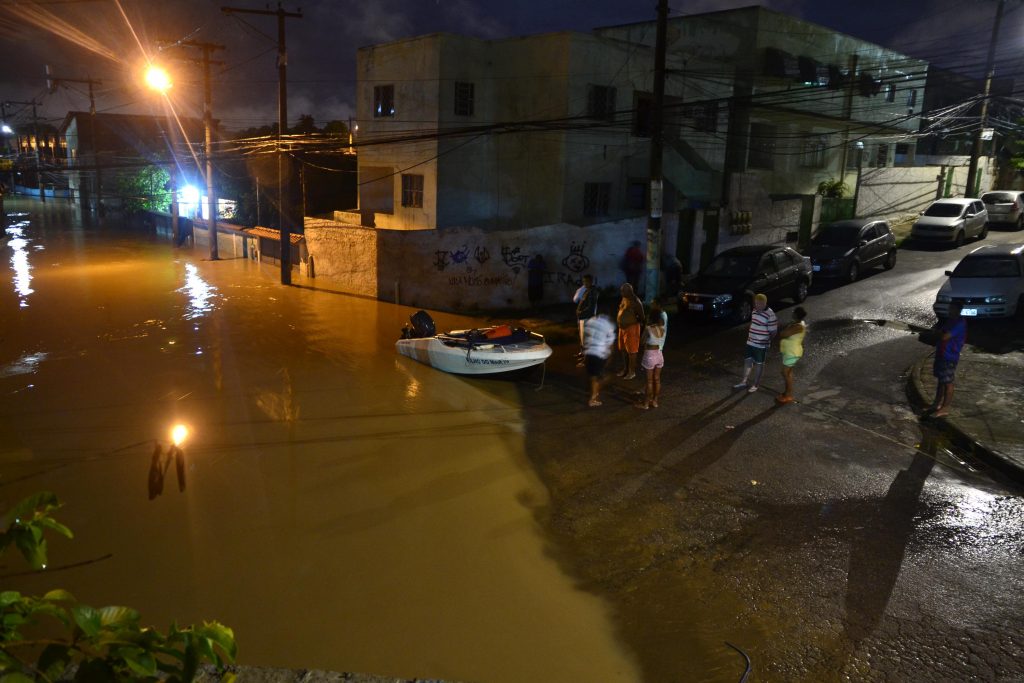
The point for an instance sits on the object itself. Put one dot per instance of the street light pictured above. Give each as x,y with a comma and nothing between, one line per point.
158,79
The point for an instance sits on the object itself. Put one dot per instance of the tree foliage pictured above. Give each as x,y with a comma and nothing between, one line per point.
146,190
105,644
833,188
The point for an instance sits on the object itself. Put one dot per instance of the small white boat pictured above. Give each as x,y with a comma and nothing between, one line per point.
472,352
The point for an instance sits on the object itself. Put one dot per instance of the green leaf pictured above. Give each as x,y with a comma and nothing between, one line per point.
16,677
114,617
54,660
32,547
139,661
222,636
87,618
41,503
94,670
59,595
9,598
54,525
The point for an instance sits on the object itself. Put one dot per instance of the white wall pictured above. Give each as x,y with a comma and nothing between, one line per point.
903,190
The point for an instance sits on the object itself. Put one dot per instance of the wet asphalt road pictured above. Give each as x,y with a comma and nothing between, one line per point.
833,539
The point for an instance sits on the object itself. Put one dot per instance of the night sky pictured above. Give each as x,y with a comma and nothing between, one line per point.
92,38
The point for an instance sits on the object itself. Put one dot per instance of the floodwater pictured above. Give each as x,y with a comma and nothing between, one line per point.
342,508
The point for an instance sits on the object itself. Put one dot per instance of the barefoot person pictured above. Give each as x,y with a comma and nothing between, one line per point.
631,321
952,335
585,299
598,337
653,359
791,343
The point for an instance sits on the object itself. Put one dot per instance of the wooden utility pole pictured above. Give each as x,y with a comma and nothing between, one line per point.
972,168
656,194
283,196
52,83
211,196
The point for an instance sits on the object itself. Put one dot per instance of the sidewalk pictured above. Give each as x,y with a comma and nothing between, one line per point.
987,414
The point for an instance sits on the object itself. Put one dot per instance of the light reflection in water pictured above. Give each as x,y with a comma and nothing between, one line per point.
27,364
200,293
19,262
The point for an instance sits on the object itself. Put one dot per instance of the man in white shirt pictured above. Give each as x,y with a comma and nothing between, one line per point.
598,338
763,328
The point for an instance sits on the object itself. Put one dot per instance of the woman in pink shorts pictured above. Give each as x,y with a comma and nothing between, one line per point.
653,359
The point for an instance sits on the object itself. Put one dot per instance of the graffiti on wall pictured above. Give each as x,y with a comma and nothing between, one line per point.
514,257
470,259
576,261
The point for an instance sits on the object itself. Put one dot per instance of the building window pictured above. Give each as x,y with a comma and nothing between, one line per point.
854,154
881,156
600,102
463,99
911,99
703,116
762,146
412,190
643,107
813,153
383,101
890,92
595,198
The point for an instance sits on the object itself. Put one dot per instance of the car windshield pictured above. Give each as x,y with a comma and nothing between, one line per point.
836,235
988,266
732,265
997,198
944,210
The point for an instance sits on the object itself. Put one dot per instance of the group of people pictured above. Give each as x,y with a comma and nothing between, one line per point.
637,330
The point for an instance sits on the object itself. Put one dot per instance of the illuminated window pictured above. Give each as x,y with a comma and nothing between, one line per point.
383,101
463,99
412,190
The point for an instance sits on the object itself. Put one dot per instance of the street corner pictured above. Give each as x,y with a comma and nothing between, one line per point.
987,413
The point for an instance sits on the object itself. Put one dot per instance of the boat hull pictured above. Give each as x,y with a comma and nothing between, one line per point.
486,359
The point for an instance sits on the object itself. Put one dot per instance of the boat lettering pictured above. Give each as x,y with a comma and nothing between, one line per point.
487,361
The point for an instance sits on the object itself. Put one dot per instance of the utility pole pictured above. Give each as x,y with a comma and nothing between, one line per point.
972,168
656,195
211,197
52,83
848,115
284,209
5,133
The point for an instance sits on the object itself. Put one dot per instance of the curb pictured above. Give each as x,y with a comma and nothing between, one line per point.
949,426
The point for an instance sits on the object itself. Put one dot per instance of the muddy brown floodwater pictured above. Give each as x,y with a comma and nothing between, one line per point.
343,508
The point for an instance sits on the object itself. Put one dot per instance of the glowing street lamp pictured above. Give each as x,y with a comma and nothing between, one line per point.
158,79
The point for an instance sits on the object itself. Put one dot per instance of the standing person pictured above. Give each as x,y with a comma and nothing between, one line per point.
952,335
535,279
633,265
653,359
763,327
585,299
598,337
631,321
791,343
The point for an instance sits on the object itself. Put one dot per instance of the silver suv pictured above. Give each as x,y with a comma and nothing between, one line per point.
1005,207
952,220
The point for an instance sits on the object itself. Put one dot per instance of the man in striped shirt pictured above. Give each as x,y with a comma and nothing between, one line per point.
763,327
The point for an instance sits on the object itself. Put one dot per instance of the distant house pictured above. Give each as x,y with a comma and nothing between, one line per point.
503,134
103,147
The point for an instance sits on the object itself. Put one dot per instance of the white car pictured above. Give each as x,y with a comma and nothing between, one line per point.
1005,207
988,283
952,220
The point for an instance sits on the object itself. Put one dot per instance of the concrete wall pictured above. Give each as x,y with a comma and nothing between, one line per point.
906,190
469,269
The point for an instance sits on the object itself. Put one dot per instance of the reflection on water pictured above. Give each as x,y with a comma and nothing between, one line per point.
200,293
24,365
380,513
19,261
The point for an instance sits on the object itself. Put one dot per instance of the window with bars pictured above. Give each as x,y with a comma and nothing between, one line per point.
881,156
463,98
762,146
813,153
890,92
383,101
596,198
600,102
412,190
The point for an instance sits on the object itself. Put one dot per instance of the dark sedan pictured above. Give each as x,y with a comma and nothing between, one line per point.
725,288
845,249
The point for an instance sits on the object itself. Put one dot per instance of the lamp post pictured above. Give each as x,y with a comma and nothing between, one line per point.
158,79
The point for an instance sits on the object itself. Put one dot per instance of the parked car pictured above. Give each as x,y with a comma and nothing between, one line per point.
952,220
845,249
1005,207
725,288
988,283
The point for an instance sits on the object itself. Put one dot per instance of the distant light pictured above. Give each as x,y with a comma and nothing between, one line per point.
190,194
6,129
179,434
158,79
